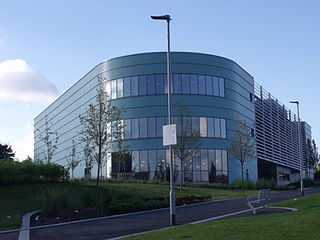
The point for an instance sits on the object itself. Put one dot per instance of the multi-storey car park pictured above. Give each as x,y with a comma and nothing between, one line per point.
218,93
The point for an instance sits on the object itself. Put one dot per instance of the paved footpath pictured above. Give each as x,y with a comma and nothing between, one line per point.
134,223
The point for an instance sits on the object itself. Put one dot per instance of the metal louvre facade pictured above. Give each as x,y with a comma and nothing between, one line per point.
276,130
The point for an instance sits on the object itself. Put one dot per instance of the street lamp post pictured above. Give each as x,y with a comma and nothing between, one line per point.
172,193
299,146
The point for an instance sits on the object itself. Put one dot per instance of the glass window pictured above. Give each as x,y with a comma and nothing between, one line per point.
114,89
120,87
223,128
152,161
202,84
218,161
224,160
196,166
176,83
126,87
143,127
135,161
127,128
209,85
161,160
211,158
210,127
108,89
217,128
204,159
159,84
185,81
203,127
215,86
221,86
160,123
152,128
151,84
142,85
135,128
195,126
134,86
166,83
194,84
144,161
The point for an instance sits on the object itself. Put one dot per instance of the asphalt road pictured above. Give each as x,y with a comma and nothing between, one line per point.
140,222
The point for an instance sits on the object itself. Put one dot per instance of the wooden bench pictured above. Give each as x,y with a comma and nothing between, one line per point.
261,199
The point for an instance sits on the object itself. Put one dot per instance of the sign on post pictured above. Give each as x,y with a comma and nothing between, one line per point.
169,135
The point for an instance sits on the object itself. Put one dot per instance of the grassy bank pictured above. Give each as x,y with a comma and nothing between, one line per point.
17,200
302,224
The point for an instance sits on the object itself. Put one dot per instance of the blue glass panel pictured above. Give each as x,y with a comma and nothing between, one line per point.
202,84
217,132
221,87
159,84
185,79
215,86
126,87
127,128
135,128
120,87
135,161
151,84
176,83
194,86
134,86
114,89
142,85
210,127
152,128
209,85
143,127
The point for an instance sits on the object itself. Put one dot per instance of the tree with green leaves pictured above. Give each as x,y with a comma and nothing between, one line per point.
97,123
312,156
242,145
6,152
188,140
50,139
73,161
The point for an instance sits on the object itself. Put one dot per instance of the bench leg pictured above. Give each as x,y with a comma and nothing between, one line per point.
253,209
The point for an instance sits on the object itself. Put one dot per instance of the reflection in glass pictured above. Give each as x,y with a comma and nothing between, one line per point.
135,161
195,126
143,127
203,126
152,161
120,87
218,162
114,89
144,161
134,86
108,89
127,129
196,166
224,160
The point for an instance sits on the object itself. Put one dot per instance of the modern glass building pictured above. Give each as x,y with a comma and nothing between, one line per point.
217,91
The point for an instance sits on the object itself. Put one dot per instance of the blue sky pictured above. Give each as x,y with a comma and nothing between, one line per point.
46,46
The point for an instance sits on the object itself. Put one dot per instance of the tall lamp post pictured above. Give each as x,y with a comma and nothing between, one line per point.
172,193
299,146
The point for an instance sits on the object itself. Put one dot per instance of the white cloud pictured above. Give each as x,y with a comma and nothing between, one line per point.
18,81
24,147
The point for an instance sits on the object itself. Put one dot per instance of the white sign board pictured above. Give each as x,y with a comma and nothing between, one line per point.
169,135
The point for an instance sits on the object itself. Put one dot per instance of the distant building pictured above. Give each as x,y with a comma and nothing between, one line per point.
217,91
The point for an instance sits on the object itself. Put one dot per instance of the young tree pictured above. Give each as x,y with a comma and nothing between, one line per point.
312,156
96,128
50,139
187,140
73,161
242,145
6,152
88,159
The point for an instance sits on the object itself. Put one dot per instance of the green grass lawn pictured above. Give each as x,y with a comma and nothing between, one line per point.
17,200
302,224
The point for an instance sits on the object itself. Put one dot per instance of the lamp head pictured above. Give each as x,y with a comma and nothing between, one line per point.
296,102
162,17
